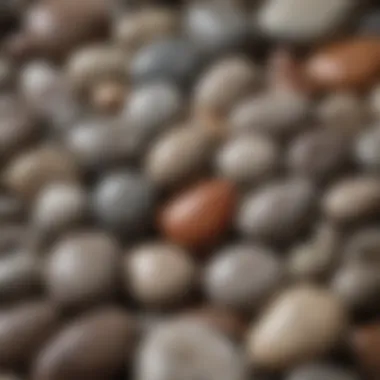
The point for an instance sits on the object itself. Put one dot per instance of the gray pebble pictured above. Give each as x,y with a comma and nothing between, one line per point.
274,113
248,159
278,211
303,20
173,60
367,149
124,201
82,269
241,276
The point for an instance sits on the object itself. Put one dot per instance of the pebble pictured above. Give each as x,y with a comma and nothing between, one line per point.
242,276
173,60
11,208
55,28
374,102
343,111
95,345
274,113
293,329
90,65
82,269
98,143
124,201
59,206
183,349
24,329
248,159
278,211
200,215
322,371
151,109
107,97
358,286
33,169
367,149
319,154
144,26
178,155
216,28
20,274
303,21
348,65
352,199
366,345
7,73
158,274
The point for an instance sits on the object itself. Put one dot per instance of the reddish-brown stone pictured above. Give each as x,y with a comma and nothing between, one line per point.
200,215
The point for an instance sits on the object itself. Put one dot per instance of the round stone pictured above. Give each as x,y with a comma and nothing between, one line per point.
293,329
180,348
124,201
242,276
82,269
248,159
158,274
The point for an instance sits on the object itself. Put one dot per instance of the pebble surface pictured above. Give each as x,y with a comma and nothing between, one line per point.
189,190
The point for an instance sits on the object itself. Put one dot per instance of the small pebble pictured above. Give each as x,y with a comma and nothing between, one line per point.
200,215
352,200
248,159
158,274
293,329
277,212
242,276
124,201
82,269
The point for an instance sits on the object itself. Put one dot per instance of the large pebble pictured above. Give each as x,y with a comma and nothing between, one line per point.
348,65
303,20
353,199
319,154
216,28
274,113
200,215
158,273
236,73
181,349
82,269
33,169
174,60
180,154
248,159
124,201
241,276
322,371
144,26
302,323
23,330
277,212
93,346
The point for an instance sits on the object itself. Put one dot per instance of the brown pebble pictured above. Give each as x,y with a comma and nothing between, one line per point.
108,97
29,172
95,346
23,329
366,348
301,324
200,215
349,65
353,200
